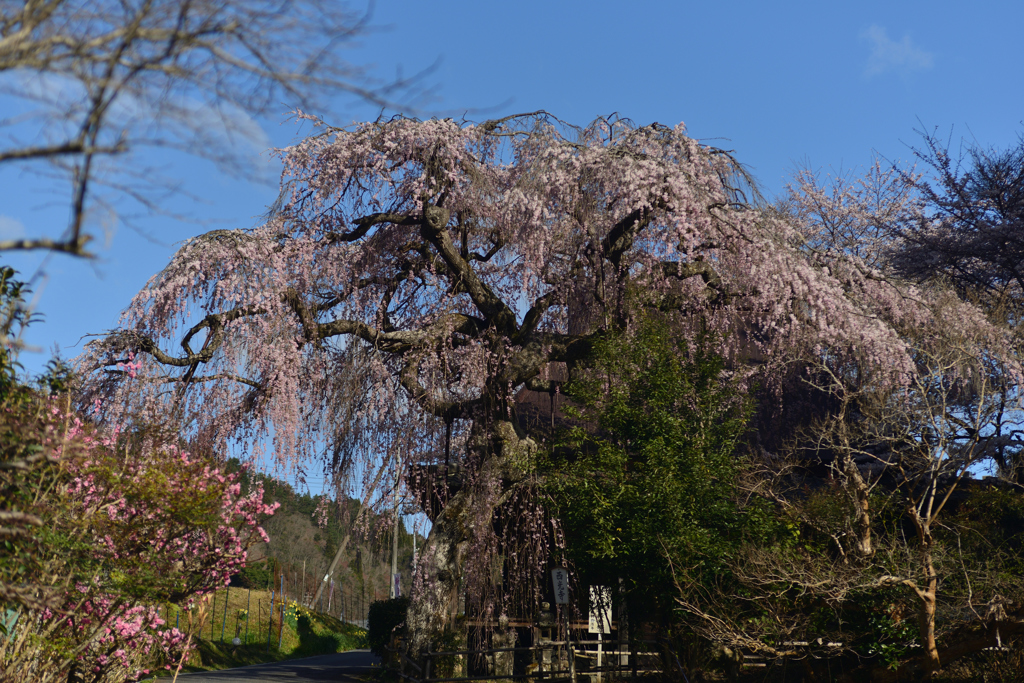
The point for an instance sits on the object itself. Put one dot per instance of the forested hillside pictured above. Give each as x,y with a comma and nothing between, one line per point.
302,549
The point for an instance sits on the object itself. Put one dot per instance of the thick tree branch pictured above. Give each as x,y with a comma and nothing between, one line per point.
214,322
434,230
402,341
364,224
683,271
536,314
541,348
447,410
75,247
496,246
620,238
198,380
62,149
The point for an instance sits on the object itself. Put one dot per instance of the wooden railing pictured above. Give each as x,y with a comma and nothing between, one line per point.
627,663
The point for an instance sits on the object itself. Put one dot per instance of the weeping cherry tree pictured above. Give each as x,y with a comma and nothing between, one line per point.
416,275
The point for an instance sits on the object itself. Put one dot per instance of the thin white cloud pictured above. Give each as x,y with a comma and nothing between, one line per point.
11,228
887,54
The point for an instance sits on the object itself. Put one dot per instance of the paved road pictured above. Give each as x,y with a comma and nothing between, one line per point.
344,666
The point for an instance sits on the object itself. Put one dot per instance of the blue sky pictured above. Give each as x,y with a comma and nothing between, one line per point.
783,84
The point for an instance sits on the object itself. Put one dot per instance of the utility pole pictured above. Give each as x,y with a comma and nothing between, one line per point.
395,589
367,496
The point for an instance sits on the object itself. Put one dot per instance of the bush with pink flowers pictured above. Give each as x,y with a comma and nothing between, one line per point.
106,529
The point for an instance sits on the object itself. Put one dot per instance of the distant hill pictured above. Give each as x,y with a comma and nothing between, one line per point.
303,551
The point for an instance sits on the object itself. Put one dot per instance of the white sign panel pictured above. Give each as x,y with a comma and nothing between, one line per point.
600,610
560,579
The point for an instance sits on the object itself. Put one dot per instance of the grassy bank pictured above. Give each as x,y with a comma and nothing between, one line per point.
263,636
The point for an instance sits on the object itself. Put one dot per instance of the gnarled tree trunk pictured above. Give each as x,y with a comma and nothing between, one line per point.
435,593
468,514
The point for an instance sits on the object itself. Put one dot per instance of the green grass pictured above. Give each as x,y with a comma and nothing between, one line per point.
306,633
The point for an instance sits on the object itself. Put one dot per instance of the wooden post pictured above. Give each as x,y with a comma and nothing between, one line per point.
280,626
569,645
270,627
623,658
394,536
224,619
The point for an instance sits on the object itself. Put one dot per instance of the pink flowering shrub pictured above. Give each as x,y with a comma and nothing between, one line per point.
128,525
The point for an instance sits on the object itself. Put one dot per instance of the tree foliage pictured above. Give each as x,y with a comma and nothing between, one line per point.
110,536
878,522
970,234
15,315
644,483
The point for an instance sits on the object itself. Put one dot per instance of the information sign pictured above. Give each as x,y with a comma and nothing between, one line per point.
560,580
600,609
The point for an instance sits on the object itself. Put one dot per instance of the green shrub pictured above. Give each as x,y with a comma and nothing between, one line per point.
256,576
384,616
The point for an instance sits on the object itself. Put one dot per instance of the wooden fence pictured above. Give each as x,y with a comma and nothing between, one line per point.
555,660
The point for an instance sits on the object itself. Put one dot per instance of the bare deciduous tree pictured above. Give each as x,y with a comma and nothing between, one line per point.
105,77
972,234
893,459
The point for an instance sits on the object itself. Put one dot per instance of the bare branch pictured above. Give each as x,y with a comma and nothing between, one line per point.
74,247
123,76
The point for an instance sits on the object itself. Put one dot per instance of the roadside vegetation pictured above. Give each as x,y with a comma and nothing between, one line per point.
301,633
